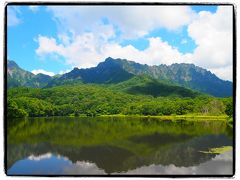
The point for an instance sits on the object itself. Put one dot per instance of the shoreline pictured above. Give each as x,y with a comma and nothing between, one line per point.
176,117
163,117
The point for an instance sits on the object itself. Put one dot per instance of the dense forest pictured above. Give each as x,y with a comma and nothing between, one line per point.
95,100
118,87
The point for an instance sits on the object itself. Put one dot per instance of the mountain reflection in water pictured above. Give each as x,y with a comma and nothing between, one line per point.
66,146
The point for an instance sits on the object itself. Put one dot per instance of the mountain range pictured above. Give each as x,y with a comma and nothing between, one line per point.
17,77
182,79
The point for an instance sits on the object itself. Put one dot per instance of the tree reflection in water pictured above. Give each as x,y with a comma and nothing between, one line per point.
114,145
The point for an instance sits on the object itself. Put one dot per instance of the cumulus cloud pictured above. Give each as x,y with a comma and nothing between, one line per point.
38,71
212,32
84,40
87,50
132,21
13,18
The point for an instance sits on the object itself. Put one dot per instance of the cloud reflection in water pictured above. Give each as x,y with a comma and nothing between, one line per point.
221,164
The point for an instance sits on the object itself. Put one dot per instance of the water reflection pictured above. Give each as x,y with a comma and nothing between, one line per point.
52,164
98,146
221,164
46,164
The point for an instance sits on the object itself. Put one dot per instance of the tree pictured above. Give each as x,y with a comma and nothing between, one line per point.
13,111
229,109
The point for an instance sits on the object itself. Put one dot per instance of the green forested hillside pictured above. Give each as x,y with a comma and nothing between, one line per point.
93,100
114,71
145,85
113,87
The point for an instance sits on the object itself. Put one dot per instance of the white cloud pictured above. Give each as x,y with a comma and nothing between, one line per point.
224,72
83,50
88,50
13,18
64,72
34,8
86,41
132,21
47,45
38,71
213,35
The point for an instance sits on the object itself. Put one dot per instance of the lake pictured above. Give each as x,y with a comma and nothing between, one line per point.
114,145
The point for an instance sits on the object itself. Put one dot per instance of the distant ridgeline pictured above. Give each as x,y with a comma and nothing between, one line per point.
118,86
154,79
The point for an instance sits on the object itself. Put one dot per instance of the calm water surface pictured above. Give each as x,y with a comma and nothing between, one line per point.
79,146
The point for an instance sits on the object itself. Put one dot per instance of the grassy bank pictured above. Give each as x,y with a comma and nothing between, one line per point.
189,117
218,150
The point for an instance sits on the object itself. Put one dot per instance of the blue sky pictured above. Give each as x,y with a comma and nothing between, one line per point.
21,40
55,39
